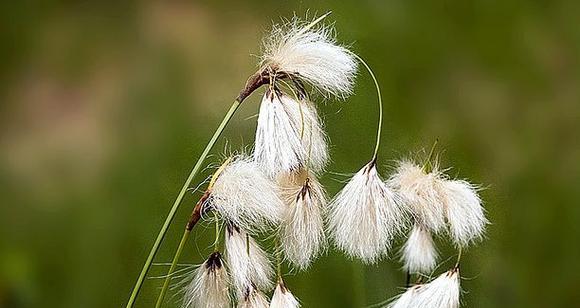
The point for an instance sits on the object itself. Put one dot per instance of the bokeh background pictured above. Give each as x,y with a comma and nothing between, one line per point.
106,105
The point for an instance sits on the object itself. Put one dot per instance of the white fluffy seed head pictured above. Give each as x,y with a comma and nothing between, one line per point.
283,298
442,292
420,191
464,212
312,134
311,54
419,254
248,264
302,233
209,287
253,298
365,216
289,135
404,300
243,195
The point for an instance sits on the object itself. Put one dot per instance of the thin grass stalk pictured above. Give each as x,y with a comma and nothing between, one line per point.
254,82
235,105
161,296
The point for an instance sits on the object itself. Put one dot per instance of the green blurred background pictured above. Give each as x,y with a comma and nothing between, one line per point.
105,106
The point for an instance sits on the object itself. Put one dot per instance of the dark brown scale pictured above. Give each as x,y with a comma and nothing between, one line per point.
214,262
232,228
305,189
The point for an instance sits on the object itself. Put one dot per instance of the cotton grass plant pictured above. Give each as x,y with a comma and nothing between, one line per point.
275,193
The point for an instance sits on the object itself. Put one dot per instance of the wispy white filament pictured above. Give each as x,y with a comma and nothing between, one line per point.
443,292
464,212
248,264
209,287
253,298
365,216
421,191
419,254
283,298
302,232
311,54
289,135
243,195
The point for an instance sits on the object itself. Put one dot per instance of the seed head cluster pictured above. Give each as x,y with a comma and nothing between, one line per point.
274,195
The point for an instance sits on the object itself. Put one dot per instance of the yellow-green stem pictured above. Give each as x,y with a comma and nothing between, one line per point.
175,207
459,256
161,296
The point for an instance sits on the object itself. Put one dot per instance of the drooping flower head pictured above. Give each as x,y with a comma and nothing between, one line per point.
404,300
419,254
283,298
209,287
253,298
442,292
302,232
248,264
437,202
289,135
366,215
421,191
464,212
243,195
309,52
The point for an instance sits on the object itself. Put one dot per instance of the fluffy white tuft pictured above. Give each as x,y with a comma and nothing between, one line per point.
243,195
312,134
421,192
419,254
289,135
443,292
365,216
253,298
404,300
313,55
209,287
464,212
283,298
302,233
249,265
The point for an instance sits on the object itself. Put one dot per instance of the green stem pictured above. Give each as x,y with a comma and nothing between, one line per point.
380,125
458,257
177,202
172,268
195,217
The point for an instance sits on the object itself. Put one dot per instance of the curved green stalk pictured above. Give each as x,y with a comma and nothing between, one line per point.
380,125
175,207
